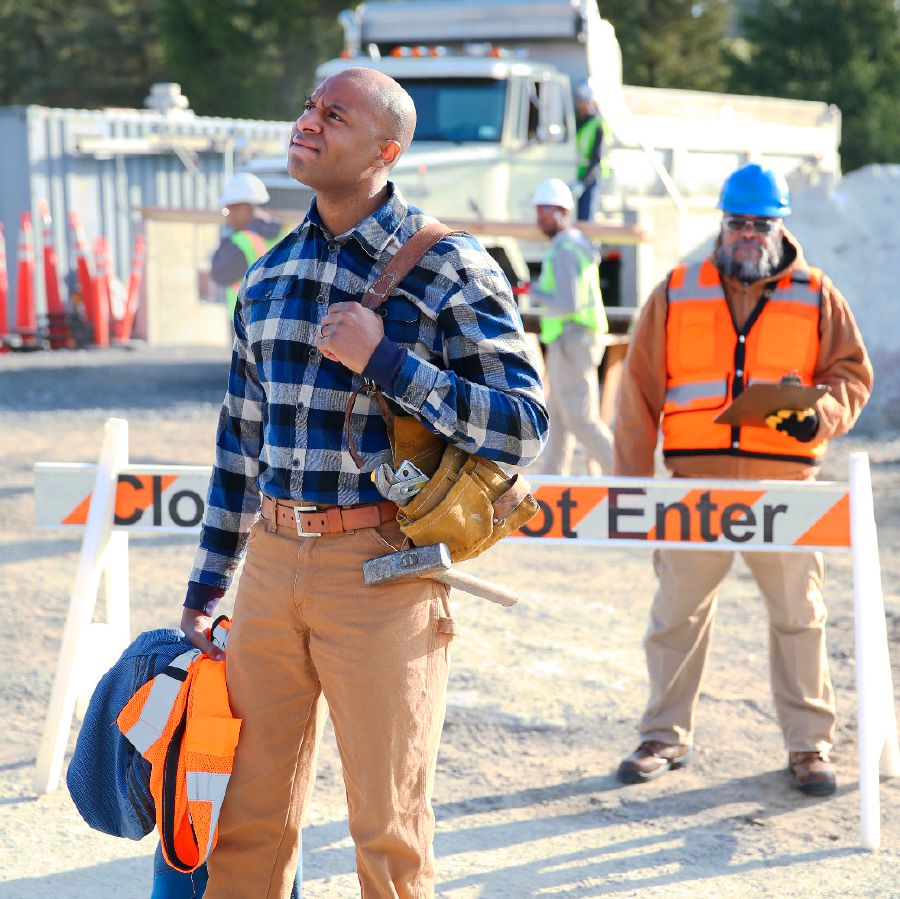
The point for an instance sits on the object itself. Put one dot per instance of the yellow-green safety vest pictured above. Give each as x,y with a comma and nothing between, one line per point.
588,297
584,145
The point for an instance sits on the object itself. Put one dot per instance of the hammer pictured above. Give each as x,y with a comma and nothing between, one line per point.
433,562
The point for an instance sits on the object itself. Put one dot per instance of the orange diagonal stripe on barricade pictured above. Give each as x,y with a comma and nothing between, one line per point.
561,506
720,499
131,499
79,514
832,529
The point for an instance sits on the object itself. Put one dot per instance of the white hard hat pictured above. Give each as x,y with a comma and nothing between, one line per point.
553,192
586,90
244,188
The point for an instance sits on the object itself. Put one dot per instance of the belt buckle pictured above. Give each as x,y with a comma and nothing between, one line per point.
298,511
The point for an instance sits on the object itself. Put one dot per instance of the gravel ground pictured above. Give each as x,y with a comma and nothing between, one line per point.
543,697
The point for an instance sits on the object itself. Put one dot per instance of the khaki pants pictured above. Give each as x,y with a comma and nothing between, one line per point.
678,640
574,403
305,624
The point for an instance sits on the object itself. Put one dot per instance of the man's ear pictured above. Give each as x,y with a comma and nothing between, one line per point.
390,153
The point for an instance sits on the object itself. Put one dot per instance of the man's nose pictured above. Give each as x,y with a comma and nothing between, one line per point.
307,121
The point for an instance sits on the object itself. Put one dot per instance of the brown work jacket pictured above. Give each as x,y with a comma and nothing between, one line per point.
843,364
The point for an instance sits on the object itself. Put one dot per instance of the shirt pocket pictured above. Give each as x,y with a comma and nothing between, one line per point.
263,318
256,304
403,321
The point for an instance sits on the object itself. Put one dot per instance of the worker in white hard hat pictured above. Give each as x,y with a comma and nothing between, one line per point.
591,138
572,323
247,234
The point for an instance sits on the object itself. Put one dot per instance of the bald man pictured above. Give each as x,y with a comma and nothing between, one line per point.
449,350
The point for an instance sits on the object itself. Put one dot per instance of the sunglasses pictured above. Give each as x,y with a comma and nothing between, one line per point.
760,226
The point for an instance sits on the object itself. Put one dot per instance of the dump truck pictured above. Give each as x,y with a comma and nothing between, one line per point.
493,85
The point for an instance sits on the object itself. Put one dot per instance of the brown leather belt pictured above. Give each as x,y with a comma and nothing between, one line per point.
313,521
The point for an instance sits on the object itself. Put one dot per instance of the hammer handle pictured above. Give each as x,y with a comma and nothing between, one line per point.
477,587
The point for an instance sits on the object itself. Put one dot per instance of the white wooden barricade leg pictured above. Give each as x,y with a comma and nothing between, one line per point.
89,649
874,686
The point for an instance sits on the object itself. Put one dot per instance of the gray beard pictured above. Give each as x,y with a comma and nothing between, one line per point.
769,262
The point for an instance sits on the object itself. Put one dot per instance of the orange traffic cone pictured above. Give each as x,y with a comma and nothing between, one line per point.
84,273
56,315
126,325
26,314
4,295
101,292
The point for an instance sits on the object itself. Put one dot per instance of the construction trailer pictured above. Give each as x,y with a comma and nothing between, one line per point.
105,164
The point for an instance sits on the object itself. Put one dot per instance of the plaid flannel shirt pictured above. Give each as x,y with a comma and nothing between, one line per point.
467,373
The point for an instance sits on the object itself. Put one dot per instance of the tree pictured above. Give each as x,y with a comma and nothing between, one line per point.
845,52
671,43
79,53
245,58
251,58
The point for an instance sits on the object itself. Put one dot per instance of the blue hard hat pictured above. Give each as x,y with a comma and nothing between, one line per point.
753,190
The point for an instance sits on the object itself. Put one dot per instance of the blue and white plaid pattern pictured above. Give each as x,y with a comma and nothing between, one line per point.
468,374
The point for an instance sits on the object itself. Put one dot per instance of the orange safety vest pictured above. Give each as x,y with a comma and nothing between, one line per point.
709,363
181,722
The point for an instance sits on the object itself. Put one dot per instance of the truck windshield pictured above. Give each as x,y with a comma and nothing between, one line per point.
457,109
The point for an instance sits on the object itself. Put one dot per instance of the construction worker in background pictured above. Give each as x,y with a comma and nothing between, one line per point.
753,311
247,234
572,321
591,138
450,351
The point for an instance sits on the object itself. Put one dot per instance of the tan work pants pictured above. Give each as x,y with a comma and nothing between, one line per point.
306,624
574,403
678,640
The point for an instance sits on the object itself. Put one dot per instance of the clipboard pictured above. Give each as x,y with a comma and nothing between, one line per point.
750,409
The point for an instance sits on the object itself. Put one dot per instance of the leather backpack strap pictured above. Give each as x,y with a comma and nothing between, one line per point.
401,264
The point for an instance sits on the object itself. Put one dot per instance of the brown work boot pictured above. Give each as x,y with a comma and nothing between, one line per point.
812,773
652,759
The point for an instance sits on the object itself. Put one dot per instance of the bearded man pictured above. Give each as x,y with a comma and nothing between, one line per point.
752,312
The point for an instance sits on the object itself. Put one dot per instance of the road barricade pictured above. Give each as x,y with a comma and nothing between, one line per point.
111,499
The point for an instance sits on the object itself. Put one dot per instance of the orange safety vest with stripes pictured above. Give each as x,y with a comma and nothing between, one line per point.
709,363
181,722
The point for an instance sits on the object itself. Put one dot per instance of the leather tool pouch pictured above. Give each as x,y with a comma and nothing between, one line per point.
469,502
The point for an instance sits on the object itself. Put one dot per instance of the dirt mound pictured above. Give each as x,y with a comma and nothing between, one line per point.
850,230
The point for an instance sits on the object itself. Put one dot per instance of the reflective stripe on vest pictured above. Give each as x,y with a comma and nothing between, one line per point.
585,137
252,245
588,297
709,364
182,724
